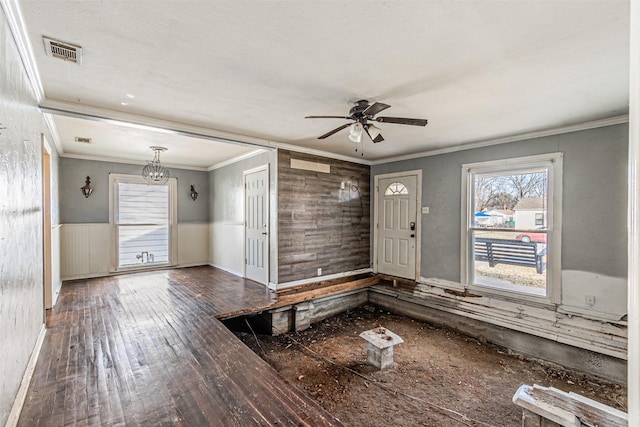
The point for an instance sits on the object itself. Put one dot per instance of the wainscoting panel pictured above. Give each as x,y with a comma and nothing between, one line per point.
84,250
193,246
56,282
227,248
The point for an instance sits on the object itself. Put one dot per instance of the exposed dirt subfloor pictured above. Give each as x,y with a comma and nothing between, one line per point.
439,377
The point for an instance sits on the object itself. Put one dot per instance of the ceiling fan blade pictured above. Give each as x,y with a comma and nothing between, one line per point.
327,117
402,121
378,137
328,134
375,108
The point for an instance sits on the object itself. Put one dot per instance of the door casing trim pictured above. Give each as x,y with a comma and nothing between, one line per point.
418,174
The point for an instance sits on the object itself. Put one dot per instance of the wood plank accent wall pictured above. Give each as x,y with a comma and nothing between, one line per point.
321,225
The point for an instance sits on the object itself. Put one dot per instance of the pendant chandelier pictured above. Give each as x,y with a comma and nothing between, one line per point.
154,172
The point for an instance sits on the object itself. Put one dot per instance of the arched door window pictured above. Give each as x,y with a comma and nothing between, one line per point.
396,189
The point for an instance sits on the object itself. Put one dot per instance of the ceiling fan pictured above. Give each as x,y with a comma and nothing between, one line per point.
361,114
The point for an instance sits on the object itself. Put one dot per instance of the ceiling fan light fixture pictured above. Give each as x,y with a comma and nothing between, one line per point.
355,132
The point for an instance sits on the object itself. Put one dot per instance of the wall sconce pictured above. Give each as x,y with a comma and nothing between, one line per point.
193,193
87,189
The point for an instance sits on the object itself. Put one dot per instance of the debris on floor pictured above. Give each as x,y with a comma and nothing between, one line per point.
440,377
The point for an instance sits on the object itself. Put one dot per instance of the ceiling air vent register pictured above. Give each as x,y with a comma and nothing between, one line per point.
62,50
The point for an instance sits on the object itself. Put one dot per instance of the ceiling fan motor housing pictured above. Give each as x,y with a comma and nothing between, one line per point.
356,111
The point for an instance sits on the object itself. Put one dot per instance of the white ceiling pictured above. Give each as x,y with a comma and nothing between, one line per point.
477,70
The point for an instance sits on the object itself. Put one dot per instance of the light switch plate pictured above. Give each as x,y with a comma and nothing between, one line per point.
425,209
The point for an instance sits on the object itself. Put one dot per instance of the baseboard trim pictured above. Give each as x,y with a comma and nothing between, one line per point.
228,270
140,270
21,396
284,285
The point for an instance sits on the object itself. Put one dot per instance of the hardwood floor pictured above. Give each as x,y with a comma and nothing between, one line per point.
146,349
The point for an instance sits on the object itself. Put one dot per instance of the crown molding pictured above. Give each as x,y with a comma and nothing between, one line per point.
53,129
236,159
20,35
513,138
18,29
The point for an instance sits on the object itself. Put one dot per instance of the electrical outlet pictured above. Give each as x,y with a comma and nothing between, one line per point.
319,272
590,299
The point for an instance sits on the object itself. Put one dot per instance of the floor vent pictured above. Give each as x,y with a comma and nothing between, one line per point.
65,51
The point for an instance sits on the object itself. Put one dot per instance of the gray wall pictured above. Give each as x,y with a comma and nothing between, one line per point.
226,186
75,208
226,202
21,271
594,206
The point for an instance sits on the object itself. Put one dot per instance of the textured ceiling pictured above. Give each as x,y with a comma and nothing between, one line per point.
477,70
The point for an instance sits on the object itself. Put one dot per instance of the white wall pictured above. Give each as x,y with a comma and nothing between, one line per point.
227,247
21,225
193,244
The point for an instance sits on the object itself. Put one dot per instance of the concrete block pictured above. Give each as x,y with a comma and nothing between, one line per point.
380,342
303,315
281,320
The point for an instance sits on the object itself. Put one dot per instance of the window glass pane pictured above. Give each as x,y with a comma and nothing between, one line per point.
143,224
502,261
143,204
508,230
396,188
142,245
513,199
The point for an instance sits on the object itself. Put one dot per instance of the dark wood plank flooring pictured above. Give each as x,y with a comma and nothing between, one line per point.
146,349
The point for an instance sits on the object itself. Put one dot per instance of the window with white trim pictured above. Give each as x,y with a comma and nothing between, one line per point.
143,220
511,226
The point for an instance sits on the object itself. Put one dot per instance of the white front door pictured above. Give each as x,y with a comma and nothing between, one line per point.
396,227
256,225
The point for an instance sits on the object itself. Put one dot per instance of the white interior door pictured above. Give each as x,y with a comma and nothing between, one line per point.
396,226
256,224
